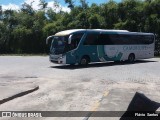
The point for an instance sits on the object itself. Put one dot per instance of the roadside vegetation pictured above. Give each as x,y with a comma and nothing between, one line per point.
25,31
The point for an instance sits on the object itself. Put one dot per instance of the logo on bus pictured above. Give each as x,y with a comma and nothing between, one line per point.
127,48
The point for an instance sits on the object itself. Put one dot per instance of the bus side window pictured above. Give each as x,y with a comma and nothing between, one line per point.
123,39
91,39
142,39
76,39
104,39
148,39
138,39
115,39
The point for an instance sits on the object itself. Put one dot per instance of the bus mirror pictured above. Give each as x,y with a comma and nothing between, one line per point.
70,39
48,38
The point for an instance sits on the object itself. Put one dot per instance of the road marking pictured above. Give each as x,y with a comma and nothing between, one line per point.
96,105
106,93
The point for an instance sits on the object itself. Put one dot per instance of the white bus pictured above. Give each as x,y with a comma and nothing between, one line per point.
81,46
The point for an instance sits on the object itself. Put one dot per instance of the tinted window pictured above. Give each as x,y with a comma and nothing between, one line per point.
148,39
104,39
144,39
76,39
115,38
118,39
91,39
127,40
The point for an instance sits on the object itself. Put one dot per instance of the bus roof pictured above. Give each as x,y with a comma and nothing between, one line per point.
67,32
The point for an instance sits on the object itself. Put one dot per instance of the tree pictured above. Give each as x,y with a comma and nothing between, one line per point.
43,4
70,4
110,14
27,8
1,13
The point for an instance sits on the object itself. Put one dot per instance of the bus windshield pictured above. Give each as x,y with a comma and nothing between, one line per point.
61,45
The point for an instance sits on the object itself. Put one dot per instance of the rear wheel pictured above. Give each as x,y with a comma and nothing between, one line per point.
131,58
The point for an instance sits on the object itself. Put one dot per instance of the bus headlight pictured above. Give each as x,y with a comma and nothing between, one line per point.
61,57
62,60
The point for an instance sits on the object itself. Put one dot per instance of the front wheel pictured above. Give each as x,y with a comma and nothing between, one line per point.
131,58
84,61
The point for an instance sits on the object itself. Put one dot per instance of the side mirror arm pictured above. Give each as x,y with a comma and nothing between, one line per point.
70,39
48,39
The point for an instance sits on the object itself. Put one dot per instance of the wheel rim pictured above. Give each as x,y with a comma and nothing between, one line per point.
131,58
83,61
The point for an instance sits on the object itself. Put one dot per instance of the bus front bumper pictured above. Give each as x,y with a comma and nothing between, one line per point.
58,59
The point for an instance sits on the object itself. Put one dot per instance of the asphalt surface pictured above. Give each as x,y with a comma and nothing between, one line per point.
98,87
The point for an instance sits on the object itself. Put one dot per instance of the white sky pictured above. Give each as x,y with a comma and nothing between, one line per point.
16,4
35,5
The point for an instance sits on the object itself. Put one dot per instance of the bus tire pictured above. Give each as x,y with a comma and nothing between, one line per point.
84,61
131,58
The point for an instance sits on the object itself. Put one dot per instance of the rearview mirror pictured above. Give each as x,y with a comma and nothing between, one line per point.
70,39
48,38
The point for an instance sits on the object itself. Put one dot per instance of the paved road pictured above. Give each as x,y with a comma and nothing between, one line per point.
99,87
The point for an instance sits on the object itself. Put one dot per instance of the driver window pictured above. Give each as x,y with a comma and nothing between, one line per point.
76,39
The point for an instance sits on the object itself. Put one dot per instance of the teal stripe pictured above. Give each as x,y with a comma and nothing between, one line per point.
103,57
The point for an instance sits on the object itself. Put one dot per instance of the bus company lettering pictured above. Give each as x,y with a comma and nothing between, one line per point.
127,48
15,114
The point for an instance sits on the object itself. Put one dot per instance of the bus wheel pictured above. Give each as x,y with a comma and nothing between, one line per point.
84,60
131,58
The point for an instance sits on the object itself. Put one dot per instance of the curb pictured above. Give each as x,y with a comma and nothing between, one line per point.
18,95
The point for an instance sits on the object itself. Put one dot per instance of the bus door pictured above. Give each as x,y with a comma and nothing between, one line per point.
90,46
74,44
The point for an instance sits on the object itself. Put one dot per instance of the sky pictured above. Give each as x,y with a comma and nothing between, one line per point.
16,4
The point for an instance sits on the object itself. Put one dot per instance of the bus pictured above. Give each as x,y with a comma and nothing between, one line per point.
83,46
